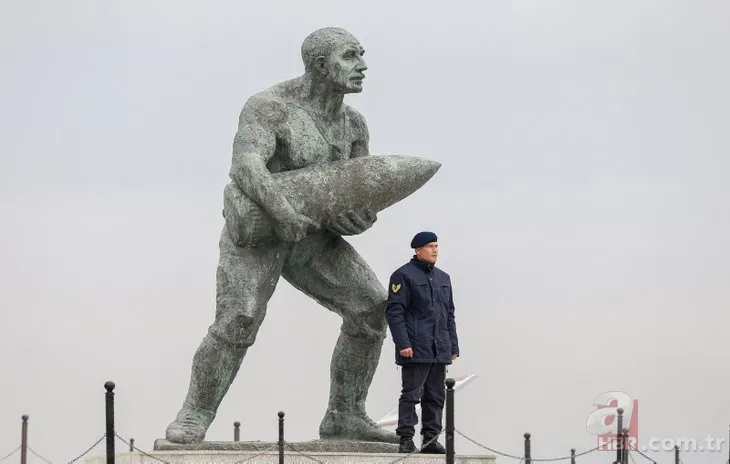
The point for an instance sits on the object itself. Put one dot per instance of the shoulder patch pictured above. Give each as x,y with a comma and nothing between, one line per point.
395,287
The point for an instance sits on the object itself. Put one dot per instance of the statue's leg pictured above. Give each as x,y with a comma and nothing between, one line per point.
328,269
245,281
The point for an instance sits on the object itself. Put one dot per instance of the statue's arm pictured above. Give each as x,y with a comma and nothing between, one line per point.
356,222
253,146
361,141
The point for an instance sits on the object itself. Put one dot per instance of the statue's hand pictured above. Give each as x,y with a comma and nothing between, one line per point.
294,227
354,222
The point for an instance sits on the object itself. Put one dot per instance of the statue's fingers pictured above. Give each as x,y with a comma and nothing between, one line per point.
372,216
341,225
360,221
335,227
349,223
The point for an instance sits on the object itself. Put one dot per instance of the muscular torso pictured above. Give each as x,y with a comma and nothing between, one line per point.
304,138
281,128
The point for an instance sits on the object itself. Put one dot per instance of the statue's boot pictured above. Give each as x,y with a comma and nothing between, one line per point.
215,365
353,365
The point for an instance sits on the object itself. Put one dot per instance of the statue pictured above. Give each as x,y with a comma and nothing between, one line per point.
290,127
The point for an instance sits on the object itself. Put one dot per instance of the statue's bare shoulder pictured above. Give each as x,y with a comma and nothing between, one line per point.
267,108
260,122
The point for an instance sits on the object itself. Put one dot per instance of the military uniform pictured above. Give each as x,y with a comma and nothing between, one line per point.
420,314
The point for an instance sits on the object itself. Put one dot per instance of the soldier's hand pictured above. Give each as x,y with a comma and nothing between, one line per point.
295,228
407,352
354,222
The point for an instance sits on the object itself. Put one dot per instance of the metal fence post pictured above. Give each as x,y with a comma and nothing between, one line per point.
676,454
24,440
109,422
619,437
281,437
572,455
450,420
131,445
236,431
528,451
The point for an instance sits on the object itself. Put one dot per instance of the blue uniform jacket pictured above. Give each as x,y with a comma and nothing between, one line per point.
420,313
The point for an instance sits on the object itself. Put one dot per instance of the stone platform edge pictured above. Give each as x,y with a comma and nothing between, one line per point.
272,457
311,446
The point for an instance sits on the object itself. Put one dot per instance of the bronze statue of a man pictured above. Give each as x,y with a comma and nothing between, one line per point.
297,123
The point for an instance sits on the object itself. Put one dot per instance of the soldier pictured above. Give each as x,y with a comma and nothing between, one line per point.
296,123
420,314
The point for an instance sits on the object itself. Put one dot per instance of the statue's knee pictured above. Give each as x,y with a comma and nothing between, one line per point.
377,322
236,323
368,322
376,315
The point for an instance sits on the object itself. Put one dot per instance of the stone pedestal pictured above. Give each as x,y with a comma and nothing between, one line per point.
267,452
311,446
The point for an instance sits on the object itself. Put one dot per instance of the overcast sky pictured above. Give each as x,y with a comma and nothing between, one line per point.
582,211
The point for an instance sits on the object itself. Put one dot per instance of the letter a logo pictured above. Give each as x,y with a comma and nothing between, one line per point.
395,288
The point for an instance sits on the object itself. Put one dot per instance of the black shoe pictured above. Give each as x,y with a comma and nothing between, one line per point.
406,445
432,448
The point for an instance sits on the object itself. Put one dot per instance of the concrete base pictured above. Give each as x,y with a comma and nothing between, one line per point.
290,457
312,446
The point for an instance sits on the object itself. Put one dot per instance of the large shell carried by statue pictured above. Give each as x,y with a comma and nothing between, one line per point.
322,192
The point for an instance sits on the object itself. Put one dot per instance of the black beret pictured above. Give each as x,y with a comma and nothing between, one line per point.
422,238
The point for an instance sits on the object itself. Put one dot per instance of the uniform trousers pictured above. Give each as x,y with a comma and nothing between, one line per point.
421,383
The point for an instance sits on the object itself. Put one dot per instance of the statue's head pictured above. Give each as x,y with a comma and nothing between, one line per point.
334,55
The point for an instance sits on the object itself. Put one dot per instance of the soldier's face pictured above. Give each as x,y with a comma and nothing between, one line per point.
346,67
428,253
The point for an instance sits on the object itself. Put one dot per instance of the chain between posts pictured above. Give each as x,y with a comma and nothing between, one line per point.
10,454
88,450
633,448
260,453
132,447
522,458
38,455
312,458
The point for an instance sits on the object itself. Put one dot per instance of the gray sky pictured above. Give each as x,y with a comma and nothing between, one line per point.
581,209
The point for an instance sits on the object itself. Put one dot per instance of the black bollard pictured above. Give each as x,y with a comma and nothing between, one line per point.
24,440
619,437
450,421
236,431
109,422
572,455
281,437
528,451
